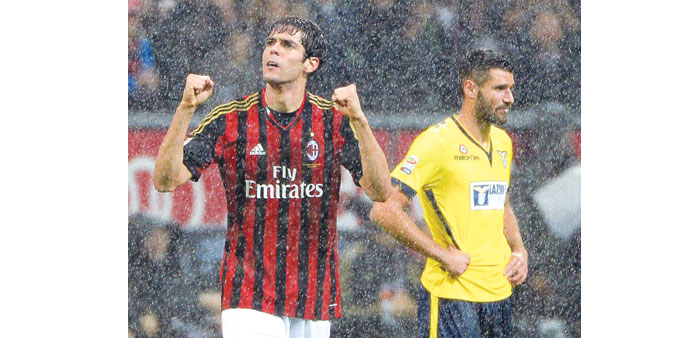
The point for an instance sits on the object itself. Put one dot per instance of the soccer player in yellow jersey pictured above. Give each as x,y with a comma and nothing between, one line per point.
460,169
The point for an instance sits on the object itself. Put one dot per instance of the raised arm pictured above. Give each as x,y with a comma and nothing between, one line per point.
518,267
390,215
375,181
170,172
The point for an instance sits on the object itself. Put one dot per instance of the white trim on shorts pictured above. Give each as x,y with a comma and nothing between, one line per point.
249,323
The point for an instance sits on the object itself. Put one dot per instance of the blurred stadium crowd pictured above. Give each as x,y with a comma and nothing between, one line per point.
402,56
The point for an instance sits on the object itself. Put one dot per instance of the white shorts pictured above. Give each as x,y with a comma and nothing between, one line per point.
248,323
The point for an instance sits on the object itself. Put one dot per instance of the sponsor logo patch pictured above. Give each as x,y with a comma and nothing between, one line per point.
409,164
466,158
258,150
284,184
463,149
489,195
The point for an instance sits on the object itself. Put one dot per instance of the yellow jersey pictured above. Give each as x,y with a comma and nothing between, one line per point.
462,187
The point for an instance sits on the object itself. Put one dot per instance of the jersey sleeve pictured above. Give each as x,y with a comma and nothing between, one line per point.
510,163
350,151
198,151
420,169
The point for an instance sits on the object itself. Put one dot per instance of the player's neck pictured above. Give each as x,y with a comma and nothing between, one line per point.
480,130
285,97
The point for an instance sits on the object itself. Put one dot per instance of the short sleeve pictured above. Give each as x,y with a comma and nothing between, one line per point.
420,169
198,151
350,151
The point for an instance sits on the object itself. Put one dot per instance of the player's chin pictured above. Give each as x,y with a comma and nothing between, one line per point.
499,120
500,116
271,78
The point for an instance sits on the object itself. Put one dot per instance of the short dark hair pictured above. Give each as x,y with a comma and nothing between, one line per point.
477,63
312,40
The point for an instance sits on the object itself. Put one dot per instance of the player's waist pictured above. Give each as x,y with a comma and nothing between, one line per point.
483,284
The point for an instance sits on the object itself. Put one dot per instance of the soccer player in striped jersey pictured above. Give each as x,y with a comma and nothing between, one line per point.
460,170
279,153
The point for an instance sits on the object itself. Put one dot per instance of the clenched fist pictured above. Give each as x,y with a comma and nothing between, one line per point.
346,101
198,88
455,262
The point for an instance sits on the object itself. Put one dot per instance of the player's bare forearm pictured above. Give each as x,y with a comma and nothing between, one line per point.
511,230
375,181
169,171
517,268
391,217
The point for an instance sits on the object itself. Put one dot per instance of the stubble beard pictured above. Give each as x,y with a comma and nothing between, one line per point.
485,112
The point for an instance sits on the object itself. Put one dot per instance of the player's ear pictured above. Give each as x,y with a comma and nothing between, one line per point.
470,89
310,64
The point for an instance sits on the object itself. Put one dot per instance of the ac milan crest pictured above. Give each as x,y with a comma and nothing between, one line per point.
312,150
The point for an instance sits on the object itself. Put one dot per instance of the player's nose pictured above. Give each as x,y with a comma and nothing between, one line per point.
509,97
273,48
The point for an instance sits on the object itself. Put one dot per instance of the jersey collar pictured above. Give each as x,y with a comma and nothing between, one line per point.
265,109
488,153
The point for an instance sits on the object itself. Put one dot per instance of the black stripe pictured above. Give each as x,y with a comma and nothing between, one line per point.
282,226
489,154
431,197
260,218
305,206
323,237
226,252
404,187
229,220
332,271
241,145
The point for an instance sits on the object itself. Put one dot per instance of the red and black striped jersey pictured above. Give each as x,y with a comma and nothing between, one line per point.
282,190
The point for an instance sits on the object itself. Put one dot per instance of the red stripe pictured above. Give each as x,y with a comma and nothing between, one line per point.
270,223
230,260
249,212
293,236
315,213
